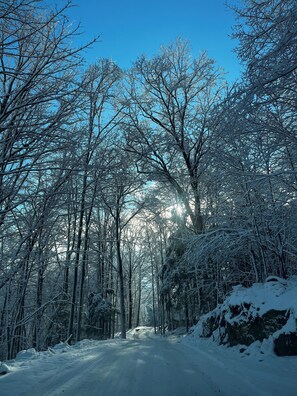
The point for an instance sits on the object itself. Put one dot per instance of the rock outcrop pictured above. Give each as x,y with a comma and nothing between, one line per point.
264,311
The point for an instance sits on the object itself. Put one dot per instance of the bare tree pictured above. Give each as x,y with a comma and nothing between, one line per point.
122,197
38,67
38,98
169,124
98,95
266,31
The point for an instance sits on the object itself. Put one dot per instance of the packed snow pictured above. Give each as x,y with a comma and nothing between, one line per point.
148,364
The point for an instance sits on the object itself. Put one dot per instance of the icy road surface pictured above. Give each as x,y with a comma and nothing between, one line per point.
146,365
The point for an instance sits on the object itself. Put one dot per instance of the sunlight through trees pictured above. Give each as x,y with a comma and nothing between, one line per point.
140,196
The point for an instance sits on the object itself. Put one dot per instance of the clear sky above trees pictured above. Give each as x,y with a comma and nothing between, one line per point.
130,28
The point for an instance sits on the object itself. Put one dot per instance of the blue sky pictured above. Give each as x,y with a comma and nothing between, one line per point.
131,28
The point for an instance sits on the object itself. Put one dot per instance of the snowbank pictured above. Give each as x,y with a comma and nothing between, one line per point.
264,314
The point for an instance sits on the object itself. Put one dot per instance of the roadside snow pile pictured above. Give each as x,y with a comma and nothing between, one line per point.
4,368
264,314
140,332
26,357
27,354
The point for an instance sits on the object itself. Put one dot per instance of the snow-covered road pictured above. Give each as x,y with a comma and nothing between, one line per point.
143,366
133,368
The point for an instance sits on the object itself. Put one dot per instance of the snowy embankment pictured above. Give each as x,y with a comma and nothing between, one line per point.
262,317
147,364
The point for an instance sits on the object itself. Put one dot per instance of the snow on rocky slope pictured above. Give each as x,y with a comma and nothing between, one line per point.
264,315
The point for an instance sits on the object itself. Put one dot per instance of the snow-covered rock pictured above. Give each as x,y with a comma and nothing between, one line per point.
265,311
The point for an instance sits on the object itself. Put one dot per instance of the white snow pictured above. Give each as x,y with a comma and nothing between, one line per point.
148,364
258,371
274,294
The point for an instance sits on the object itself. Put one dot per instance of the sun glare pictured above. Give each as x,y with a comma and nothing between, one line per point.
173,211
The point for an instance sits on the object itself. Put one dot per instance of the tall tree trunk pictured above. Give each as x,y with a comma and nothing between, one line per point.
139,297
84,264
130,299
121,277
153,291
77,257
81,288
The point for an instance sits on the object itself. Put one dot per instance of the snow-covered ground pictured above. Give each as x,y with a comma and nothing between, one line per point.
146,364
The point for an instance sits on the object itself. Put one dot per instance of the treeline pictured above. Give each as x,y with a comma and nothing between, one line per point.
140,196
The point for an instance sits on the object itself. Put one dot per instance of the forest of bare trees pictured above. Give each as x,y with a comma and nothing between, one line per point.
140,196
